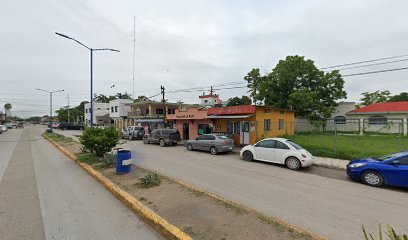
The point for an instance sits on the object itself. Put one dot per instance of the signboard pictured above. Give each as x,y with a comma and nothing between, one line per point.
242,109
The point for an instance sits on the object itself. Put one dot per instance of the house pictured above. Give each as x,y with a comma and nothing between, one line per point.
100,113
119,110
190,122
247,123
386,117
210,100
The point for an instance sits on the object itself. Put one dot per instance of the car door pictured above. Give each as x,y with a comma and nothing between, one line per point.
281,151
208,142
264,150
156,135
396,172
199,142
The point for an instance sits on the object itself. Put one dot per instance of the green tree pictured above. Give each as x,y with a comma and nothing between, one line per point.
7,107
374,97
123,96
103,98
254,80
399,97
99,140
235,101
140,98
297,84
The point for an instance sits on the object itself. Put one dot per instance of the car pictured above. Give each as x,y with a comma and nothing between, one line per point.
3,128
20,125
278,150
133,132
9,125
391,170
213,143
70,126
163,137
53,125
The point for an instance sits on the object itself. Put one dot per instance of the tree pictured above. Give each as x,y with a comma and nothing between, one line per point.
140,99
103,98
7,107
123,96
374,97
399,97
297,84
235,101
254,80
99,140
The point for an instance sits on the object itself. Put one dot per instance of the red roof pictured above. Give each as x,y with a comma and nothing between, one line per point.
231,110
386,107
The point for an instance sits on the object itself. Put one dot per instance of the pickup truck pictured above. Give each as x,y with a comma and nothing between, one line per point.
133,132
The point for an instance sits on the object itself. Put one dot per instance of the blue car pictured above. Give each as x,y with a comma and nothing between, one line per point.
378,171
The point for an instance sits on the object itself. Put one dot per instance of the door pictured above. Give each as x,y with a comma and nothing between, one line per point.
397,174
155,135
186,131
199,142
245,133
208,142
280,153
264,150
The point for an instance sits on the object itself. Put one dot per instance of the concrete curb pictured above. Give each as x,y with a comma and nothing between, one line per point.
221,199
168,230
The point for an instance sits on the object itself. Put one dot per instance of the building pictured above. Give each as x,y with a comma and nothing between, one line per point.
2,117
210,100
119,110
387,117
247,123
100,113
191,122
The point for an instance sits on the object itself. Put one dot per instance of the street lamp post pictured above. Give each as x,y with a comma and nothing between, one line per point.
91,51
50,92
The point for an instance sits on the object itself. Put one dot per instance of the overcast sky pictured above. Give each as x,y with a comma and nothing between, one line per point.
183,44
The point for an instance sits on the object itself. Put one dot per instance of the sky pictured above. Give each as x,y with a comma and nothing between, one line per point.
186,43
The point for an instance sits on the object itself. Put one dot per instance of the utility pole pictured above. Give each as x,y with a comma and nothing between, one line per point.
50,92
164,107
68,106
134,42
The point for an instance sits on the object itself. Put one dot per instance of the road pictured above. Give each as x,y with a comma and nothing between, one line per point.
44,195
321,200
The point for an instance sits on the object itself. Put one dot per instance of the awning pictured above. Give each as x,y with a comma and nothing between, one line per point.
149,121
230,116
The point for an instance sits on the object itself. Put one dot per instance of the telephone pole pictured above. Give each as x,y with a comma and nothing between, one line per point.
68,106
164,107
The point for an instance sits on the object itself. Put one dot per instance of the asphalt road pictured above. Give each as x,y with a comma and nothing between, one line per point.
44,195
321,200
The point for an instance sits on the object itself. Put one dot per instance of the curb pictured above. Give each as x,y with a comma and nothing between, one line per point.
221,199
168,230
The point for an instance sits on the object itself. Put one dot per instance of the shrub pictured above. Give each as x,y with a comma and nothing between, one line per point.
99,140
150,180
390,234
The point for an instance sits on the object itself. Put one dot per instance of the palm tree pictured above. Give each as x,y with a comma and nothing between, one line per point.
7,107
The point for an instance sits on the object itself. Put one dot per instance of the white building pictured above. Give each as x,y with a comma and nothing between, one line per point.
100,113
119,110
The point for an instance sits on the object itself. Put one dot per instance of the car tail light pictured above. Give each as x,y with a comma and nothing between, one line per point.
303,155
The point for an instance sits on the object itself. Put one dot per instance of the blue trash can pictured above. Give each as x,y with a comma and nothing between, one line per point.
123,162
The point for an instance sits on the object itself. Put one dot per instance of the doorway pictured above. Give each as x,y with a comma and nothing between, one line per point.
244,133
186,131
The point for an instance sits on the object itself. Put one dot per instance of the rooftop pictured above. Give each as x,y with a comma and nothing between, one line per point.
386,107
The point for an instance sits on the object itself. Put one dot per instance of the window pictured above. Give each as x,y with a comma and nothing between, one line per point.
266,144
281,124
297,146
147,111
86,110
237,128
340,120
209,137
281,145
403,161
169,111
215,100
233,128
159,111
201,137
111,109
377,120
204,129
116,108
205,101
267,125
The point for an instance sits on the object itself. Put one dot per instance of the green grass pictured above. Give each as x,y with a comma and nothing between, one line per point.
88,158
350,146
58,137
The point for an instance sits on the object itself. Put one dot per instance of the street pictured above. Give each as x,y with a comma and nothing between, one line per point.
44,195
321,200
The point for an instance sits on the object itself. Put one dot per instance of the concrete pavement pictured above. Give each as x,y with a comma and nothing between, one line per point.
333,207
44,195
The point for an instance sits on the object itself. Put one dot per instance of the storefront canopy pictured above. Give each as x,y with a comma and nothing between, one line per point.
230,116
149,121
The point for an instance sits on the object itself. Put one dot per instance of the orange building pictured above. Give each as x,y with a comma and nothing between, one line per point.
191,122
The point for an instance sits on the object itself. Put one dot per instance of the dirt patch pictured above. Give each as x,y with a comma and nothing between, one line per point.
197,214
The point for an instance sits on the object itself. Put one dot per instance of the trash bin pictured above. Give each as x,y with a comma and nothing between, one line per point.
123,162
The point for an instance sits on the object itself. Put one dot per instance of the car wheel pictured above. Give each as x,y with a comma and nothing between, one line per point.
190,147
162,143
213,150
247,155
146,141
293,163
372,178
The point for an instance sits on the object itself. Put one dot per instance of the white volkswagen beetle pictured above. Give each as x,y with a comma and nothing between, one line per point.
278,150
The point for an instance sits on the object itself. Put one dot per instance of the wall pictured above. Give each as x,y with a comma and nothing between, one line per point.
274,116
99,109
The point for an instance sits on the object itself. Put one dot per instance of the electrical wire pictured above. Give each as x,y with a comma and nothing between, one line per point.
366,61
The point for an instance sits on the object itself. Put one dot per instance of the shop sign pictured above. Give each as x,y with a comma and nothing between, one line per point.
185,116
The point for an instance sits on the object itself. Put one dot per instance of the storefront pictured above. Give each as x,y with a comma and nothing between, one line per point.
247,124
191,122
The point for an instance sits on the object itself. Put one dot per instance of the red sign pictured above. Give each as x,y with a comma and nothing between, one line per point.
242,109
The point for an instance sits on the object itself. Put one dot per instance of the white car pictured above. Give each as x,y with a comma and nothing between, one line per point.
3,128
278,150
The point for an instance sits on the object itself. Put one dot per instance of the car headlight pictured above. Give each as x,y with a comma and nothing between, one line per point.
356,165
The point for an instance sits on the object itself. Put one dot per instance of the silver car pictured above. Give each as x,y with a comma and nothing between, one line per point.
211,142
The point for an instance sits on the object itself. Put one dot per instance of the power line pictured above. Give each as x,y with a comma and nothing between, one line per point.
375,64
366,61
372,72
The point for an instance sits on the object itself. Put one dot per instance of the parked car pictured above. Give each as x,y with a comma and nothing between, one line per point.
69,126
3,128
391,169
20,125
133,132
278,150
53,125
9,125
163,137
211,142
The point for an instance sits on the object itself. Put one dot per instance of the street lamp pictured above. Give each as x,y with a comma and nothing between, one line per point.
50,92
91,50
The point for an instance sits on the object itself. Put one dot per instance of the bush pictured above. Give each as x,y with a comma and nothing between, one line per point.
99,140
390,234
150,180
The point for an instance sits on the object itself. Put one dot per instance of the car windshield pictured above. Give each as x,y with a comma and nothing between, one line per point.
386,157
295,145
